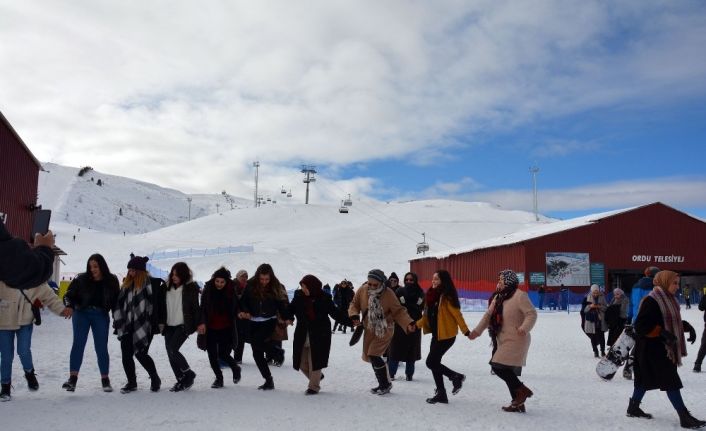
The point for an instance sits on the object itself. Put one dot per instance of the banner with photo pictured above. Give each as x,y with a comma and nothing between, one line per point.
569,269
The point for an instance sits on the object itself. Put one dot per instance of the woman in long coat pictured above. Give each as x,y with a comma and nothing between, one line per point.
381,310
594,307
659,348
510,318
311,308
405,347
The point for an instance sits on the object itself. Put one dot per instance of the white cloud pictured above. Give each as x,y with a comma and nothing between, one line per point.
188,94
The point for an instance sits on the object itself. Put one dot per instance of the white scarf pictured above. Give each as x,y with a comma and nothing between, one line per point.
376,315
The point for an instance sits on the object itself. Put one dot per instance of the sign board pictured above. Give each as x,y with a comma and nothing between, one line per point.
598,273
569,269
521,277
537,278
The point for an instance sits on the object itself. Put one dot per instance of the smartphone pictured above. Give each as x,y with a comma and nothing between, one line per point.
41,222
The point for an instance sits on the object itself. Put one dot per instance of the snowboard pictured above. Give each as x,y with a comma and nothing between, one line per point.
617,355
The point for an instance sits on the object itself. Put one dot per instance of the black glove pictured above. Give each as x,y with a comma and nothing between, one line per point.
690,329
668,338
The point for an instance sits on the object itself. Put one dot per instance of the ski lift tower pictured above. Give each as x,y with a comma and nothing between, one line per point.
534,170
309,171
256,165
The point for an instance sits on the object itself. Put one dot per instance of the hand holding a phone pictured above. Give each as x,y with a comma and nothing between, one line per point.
46,240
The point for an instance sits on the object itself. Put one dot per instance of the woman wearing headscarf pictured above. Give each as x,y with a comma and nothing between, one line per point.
136,320
616,315
263,302
660,347
510,318
381,310
594,307
405,347
240,282
311,307
442,318
93,296
218,311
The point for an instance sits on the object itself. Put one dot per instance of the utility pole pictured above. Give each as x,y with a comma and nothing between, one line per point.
534,170
189,199
256,165
309,171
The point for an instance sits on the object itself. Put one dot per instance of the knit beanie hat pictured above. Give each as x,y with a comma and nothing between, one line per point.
377,274
651,271
394,276
664,279
221,272
312,283
138,262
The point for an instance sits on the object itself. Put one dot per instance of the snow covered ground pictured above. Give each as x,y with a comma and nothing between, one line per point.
560,371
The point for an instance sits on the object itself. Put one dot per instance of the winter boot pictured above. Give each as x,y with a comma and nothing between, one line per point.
384,386
439,397
457,382
32,382
105,384
688,421
268,385
218,383
236,374
697,368
187,380
129,387
409,377
5,392
634,410
514,408
521,394
156,383
70,385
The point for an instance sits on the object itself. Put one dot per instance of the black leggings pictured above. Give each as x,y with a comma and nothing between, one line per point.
260,340
128,352
439,370
219,343
510,379
174,338
598,339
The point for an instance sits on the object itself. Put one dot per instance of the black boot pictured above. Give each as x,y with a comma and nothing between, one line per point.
268,385
634,410
156,383
32,382
105,384
70,385
218,383
5,392
457,382
439,397
187,379
697,368
384,385
688,421
236,374
129,387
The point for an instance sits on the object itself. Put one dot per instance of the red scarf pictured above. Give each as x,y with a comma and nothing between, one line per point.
433,296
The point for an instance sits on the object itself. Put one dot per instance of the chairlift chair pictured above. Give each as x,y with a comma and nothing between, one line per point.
283,190
289,195
348,202
423,247
343,209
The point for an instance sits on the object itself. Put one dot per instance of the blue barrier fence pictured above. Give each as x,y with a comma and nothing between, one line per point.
200,252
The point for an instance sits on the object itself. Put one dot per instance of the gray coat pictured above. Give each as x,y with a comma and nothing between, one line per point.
590,327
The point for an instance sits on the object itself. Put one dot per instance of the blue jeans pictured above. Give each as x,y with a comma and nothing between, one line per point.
98,322
7,350
393,365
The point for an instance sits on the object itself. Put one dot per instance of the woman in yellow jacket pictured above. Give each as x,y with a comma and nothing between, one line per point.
442,318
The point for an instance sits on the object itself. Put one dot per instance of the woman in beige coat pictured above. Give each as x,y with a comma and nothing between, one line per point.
381,310
510,318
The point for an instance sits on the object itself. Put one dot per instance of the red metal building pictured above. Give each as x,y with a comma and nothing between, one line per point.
610,249
19,177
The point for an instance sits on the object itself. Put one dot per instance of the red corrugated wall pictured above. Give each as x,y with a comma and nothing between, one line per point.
19,176
652,230
476,271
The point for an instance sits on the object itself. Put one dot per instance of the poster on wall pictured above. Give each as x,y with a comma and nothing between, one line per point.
569,269
537,278
597,273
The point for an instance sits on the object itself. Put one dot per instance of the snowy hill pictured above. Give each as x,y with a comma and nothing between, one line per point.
301,239
121,204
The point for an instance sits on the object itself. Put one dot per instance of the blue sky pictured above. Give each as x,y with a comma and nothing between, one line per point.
391,100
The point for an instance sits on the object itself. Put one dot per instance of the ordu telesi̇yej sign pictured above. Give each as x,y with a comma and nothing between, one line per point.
569,269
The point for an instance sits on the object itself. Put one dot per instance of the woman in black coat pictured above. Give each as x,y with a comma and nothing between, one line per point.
218,322
181,316
405,347
311,308
659,348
